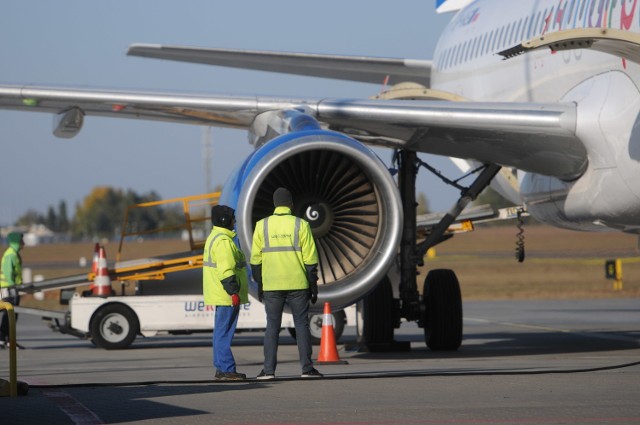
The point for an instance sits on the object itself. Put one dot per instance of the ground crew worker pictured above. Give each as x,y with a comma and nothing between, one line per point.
10,277
284,263
225,285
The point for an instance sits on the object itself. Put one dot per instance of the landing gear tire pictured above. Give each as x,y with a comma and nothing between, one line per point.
315,326
375,318
114,327
442,317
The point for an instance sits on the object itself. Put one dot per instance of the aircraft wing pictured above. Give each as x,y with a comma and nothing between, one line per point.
533,137
353,68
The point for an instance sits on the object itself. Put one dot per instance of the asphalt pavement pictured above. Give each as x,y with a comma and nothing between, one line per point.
533,362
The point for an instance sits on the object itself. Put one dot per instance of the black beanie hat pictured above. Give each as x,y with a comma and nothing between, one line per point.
282,198
222,215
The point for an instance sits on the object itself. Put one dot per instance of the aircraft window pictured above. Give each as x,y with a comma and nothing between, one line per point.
496,37
465,54
582,6
483,45
474,50
543,23
507,36
490,42
501,37
571,8
516,33
531,19
537,27
457,55
523,34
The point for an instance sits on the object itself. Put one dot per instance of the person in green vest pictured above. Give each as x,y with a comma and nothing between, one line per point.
10,277
284,263
225,285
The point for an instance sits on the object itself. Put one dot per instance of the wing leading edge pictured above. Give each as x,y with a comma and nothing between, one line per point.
538,138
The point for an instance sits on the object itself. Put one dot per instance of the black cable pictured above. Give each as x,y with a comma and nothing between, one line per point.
402,374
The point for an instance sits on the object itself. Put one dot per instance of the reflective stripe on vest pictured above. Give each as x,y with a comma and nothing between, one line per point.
210,263
296,239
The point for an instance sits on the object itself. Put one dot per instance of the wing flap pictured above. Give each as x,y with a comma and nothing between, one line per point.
352,68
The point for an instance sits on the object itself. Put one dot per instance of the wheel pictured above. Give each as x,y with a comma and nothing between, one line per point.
114,326
442,317
315,326
375,319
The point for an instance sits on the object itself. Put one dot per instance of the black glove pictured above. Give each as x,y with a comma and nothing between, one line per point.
260,292
312,278
313,290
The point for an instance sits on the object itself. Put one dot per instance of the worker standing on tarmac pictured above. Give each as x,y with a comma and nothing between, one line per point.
284,263
10,277
225,285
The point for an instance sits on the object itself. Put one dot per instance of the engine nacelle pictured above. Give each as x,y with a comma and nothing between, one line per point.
342,189
68,123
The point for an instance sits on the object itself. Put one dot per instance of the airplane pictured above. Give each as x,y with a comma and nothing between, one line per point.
537,98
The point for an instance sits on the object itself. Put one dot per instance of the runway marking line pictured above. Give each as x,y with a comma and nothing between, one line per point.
77,412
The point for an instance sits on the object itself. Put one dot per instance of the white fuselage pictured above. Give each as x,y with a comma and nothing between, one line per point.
603,86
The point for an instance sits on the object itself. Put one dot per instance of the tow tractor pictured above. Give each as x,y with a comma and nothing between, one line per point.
158,295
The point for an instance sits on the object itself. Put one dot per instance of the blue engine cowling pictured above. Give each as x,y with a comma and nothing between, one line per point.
342,189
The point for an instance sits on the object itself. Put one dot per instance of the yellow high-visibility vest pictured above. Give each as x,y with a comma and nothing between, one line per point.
222,259
11,266
283,244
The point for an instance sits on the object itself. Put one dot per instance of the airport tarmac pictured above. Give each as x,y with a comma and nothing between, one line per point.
521,362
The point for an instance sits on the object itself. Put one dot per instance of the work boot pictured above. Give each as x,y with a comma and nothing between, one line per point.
313,373
230,376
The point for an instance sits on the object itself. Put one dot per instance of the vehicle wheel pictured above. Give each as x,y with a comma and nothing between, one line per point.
375,319
315,326
443,310
114,327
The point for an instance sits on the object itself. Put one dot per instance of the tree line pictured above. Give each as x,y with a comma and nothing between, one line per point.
101,214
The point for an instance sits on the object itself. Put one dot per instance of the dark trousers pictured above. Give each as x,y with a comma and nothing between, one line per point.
298,302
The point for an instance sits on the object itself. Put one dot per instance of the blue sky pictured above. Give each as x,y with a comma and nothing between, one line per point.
82,43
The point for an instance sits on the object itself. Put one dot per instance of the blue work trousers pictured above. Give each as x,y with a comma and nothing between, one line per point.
298,302
226,320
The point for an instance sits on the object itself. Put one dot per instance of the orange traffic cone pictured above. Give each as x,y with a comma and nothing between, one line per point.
328,350
102,282
94,264
96,256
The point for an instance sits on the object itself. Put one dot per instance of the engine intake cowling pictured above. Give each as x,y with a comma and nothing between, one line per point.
345,193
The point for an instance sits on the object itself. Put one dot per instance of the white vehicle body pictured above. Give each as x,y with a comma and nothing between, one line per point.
110,326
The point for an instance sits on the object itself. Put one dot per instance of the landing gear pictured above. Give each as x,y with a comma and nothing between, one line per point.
442,314
375,318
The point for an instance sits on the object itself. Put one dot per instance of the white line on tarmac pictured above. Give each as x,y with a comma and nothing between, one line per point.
77,412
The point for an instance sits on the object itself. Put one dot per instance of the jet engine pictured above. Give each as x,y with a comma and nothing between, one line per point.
339,186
